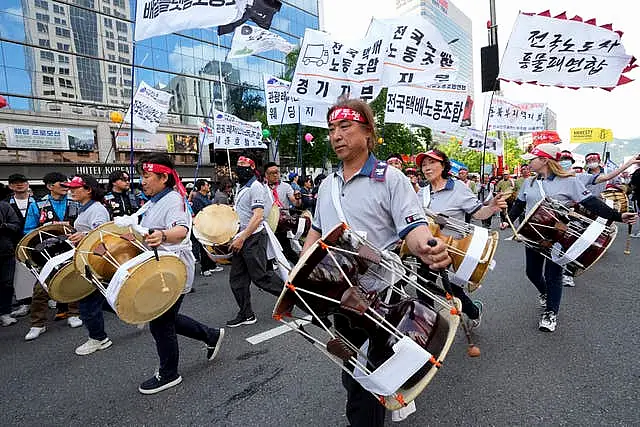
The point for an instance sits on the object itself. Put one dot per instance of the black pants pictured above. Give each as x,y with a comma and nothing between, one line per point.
287,250
165,330
546,276
468,307
7,269
206,263
250,265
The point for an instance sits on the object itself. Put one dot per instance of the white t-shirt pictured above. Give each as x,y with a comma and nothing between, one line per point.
22,205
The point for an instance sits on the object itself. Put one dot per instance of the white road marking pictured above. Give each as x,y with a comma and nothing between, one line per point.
272,333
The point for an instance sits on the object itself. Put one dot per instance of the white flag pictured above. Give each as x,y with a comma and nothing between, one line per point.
328,69
563,52
230,132
440,108
282,109
416,52
150,107
474,140
158,17
513,116
249,40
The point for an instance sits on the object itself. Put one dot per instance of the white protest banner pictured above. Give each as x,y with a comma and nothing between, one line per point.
158,17
249,40
229,132
474,140
438,107
282,109
328,68
564,52
416,53
46,138
516,117
150,107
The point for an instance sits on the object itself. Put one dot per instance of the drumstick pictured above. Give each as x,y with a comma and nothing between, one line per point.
165,288
472,349
155,249
506,214
627,245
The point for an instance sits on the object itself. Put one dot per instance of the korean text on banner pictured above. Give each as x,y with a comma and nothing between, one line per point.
327,68
585,135
158,17
150,107
282,109
46,138
249,40
229,132
561,52
474,139
545,137
516,117
439,107
416,53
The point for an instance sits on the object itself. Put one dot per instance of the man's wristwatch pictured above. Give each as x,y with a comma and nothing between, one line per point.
164,236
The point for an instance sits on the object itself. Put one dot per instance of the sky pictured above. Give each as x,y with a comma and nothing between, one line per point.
616,110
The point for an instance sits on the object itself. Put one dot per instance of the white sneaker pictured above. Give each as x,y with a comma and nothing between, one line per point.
34,333
23,310
74,322
548,321
7,320
206,273
52,304
636,234
91,346
218,269
568,281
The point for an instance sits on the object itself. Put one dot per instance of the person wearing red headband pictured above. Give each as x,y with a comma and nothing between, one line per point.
561,185
395,160
167,215
595,178
249,263
376,200
414,177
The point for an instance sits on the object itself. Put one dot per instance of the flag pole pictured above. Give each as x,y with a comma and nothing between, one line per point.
224,103
133,74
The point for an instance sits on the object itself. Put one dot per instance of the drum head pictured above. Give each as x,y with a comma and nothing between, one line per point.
151,289
216,224
274,217
67,285
119,248
28,243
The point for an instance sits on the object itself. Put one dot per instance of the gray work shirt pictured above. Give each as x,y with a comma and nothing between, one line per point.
454,200
167,210
378,200
253,195
589,181
284,192
566,190
91,216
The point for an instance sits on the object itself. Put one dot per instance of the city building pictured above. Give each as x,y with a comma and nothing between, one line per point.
65,66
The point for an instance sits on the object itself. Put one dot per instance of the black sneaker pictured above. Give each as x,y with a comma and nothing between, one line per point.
241,320
157,384
214,346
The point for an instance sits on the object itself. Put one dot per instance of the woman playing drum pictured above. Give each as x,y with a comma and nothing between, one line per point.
556,183
443,195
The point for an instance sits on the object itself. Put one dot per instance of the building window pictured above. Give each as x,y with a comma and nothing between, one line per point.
106,10
108,23
67,95
44,43
112,80
47,80
123,48
121,26
63,32
124,60
48,70
63,47
42,28
109,34
111,57
127,82
49,93
41,4
42,17
65,83
126,71
125,93
122,38
58,9
63,71
59,21
113,91
118,3
48,56
112,68
111,45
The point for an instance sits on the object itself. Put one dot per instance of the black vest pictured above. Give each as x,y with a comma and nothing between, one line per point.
14,205
48,214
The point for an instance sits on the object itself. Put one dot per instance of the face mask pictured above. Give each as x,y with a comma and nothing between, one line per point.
566,164
593,165
245,173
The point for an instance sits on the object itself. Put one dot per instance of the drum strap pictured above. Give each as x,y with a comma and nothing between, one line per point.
543,194
426,197
335,197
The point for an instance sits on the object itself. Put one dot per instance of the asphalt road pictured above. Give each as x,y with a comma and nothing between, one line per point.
586,373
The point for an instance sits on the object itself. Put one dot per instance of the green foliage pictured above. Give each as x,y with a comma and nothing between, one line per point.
473,159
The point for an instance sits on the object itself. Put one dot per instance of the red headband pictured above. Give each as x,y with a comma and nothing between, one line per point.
156,168
248,160
345,113
391,159
539,153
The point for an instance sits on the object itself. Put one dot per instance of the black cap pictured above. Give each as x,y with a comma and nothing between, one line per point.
17,177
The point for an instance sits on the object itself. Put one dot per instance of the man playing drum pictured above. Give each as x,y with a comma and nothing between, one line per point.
86,191
249,262
377,201
561,185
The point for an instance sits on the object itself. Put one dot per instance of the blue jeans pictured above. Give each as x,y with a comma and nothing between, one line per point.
91,315
165,330
546,276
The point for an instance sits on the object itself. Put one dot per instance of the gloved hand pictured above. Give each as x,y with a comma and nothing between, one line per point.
125,221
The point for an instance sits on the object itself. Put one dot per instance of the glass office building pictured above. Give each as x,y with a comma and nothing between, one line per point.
66,64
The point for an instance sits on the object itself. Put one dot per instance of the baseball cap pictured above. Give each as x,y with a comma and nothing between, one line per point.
17,177
431,154
292,175
75,182
548,151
